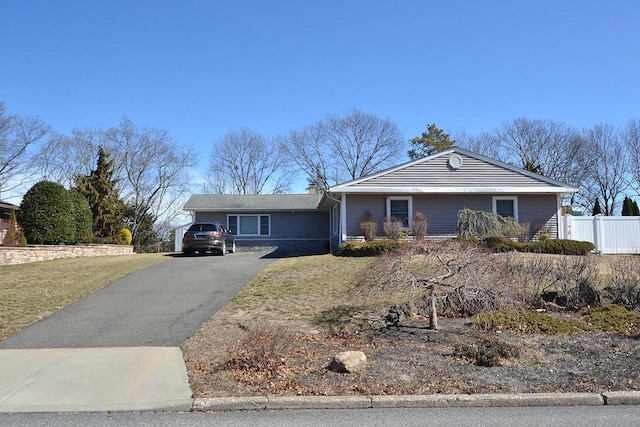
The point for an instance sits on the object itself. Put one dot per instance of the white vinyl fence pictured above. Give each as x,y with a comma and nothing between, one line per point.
609,234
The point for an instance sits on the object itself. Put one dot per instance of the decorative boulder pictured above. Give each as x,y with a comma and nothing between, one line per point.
348,362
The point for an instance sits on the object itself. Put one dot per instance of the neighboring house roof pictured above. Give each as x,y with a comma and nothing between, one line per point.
252,202
7,205
454,171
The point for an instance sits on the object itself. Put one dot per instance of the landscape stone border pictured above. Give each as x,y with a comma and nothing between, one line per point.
23,255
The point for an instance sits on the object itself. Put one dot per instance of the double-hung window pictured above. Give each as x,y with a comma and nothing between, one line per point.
400,208
506,206
249,225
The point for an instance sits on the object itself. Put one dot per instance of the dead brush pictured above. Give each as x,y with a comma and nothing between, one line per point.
458,278
623,282
261,354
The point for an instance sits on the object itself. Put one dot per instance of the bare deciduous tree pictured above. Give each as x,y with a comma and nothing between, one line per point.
338,149
64,157
545,147
245,162
17,136
631,138
606,164
153,170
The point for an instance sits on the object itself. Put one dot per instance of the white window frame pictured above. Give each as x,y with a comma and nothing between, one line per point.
409,199
335,219
514,199
258,216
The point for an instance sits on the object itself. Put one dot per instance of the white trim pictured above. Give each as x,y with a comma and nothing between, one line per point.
456,190
409,199
343,218
258,215
514,199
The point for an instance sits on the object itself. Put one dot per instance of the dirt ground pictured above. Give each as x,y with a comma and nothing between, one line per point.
409,359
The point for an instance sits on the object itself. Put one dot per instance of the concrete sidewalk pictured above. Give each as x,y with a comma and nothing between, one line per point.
94,380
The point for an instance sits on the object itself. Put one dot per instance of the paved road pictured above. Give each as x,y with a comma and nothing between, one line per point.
443,417
159,306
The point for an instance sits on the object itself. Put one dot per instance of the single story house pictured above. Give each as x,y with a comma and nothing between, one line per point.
438,186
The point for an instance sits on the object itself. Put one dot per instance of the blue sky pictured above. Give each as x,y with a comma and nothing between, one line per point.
202,68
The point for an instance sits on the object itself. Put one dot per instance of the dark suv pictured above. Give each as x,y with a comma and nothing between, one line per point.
203,237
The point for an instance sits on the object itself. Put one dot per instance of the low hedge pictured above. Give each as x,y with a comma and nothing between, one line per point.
360,249
549,246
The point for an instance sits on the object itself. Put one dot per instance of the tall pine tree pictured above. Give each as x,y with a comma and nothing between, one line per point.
99,188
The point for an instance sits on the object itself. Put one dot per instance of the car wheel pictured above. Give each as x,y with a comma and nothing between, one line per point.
233,247
224,248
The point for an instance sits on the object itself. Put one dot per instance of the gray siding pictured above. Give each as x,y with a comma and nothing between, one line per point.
442,210
284,225
357,204
437,173
540,212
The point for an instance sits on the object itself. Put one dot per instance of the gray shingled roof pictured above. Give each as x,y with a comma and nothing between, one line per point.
271,202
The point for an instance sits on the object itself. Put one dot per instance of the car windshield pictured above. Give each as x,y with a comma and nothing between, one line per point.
203,227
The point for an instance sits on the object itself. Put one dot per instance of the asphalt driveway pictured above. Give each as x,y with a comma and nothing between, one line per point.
162,305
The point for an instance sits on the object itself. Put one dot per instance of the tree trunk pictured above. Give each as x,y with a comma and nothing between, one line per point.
433,316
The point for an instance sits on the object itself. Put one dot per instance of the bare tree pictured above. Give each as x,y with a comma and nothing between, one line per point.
546,147
153,170
64,157
606,164
339,149
631,138
17,136
487,144
245,162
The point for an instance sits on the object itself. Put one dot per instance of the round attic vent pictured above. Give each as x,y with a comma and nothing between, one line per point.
455,161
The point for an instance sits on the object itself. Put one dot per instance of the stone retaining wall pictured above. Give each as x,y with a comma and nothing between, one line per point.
43,253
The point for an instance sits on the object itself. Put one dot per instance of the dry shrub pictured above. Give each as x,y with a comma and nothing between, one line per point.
368,226
465,278
261,354
572,280
419,225
623,282
392,228
486,352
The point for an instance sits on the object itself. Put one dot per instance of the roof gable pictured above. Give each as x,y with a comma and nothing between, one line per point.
454,171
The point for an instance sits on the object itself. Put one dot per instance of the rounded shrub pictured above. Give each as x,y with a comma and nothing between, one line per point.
47,214
124,237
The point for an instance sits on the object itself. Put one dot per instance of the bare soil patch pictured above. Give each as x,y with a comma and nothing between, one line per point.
412,359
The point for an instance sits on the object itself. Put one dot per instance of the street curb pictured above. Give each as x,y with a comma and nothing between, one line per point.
416,401
621,397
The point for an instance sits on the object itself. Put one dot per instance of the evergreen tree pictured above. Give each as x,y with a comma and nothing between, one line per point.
14,231
636,210
99,189
627,207
430,142
597,210
82,216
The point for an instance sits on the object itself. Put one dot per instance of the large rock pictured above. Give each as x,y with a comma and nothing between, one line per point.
348,362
